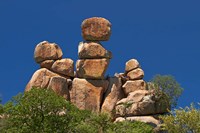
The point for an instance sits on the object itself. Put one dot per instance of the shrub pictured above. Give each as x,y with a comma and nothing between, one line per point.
185,120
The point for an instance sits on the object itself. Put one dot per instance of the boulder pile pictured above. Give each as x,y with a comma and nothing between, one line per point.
123,96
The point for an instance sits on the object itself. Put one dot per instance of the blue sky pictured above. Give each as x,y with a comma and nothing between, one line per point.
164,36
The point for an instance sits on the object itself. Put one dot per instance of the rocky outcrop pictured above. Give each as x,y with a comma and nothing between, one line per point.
125,95
141,102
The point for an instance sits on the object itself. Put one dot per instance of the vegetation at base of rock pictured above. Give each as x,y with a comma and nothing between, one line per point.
43,111
183,120
168,85
130,127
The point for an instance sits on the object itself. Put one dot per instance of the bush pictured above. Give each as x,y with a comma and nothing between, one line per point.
39,110
130,127
185,120
168,85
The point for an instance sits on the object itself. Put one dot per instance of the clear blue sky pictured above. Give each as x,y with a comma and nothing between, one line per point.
163,35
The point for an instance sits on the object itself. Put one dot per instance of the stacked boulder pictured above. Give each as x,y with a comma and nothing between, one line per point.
55,73
90,85
134,75
126,96
140,103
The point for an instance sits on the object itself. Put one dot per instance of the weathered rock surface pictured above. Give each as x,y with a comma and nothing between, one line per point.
141,102
146,119
40,79
47,51
137,73
47,64
59,86
131,86
64,66
113,94
131,65
88,94
92,50
91,68
122,76
96,29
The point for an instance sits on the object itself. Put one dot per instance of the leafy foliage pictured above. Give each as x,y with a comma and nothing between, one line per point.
39,110
130,127
185,120
43,111
169,86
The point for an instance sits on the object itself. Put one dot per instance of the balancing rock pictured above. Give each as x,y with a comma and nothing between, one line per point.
96,29
47,51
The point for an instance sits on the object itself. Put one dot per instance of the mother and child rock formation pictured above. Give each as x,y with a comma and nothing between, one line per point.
123,96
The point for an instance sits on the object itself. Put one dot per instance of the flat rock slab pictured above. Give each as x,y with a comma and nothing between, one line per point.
91,68
96,29
64,66
88,94
93,50
131,86
47,51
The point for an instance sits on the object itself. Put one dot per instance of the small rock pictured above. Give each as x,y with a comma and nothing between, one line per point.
47,51
91,68
47,64
135,74
96,29
93,50
131,86
88,94
64,66
131,65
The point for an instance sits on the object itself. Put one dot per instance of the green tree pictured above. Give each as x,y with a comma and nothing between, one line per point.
185,120
41,111
168,85
1,115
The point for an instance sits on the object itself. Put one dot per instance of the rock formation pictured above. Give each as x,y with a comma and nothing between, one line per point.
123,96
